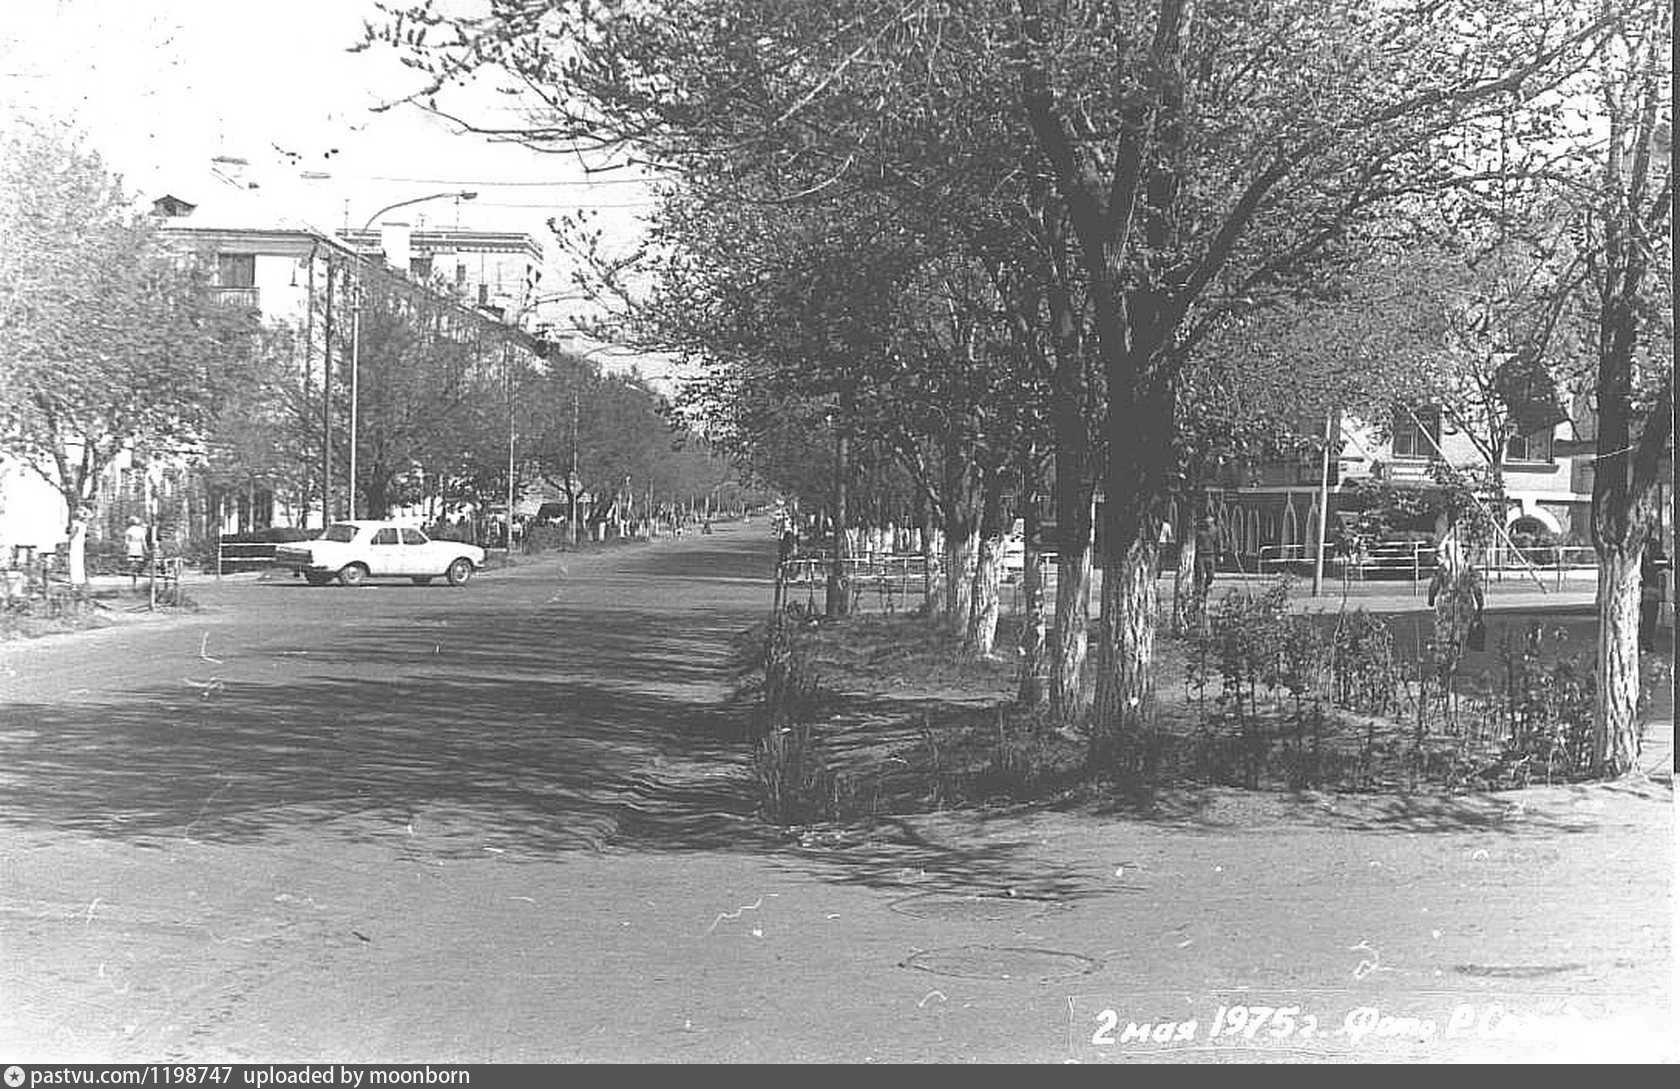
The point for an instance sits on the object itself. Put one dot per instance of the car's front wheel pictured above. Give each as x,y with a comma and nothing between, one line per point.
459,571
352,575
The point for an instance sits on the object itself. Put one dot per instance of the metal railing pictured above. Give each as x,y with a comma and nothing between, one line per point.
879,567
1411,561
237,296
1414,561
233,557
886,579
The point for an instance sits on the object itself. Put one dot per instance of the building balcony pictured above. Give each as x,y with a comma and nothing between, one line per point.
247,297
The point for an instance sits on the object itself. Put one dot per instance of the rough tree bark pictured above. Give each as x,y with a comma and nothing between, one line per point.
1070,635
980,631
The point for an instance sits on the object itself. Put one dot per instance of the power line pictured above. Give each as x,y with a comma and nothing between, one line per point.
552,205
509,184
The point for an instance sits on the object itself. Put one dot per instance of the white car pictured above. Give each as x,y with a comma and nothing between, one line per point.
353,552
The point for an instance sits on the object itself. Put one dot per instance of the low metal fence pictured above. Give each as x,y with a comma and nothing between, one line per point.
233,557
1414,562
885,580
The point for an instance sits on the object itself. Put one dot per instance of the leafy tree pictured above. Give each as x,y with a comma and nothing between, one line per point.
109,340
606,436
439,386
1209,158
1623,188
261,432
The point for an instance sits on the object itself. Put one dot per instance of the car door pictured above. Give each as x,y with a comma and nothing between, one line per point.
418,558
385,552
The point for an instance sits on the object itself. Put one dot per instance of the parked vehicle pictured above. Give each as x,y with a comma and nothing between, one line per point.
353,552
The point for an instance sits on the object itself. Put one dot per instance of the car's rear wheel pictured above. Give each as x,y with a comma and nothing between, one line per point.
459,571
352,574
422,580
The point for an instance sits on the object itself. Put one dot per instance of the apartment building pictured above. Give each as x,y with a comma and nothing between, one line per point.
496,271
292,273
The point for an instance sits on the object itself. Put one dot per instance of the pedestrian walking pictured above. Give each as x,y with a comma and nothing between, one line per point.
136,546
1207,554
1456,594
1653,582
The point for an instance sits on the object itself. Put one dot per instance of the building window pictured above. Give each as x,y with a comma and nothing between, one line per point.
1416,433
420,268
1534,446
236,270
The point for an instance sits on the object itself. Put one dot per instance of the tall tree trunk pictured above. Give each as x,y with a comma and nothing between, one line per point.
1625,475
1136,487
960,526
962,546
77,551
1190,511
932,598
980,635
1033,689
1070,635
1615,744
980,631
1125,648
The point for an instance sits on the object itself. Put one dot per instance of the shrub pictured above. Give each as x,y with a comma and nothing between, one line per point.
794,783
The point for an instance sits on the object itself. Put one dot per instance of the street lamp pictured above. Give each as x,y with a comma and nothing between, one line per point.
356,326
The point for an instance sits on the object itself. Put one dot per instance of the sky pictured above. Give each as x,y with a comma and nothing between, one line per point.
160,87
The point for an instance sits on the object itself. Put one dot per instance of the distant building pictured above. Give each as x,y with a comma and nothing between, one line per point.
495,271
286,270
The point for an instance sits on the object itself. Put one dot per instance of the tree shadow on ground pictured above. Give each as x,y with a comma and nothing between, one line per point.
590,718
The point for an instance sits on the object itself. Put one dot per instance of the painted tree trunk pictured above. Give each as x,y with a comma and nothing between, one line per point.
962,547
1615,745
1137,486
1033,689
78,551
1070,635
932,596
980,634
1125,648
980,629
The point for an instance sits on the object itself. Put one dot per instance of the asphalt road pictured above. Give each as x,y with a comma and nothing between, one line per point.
533,697
511,822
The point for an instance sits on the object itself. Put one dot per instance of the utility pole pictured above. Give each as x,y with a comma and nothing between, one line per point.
572,481
326,403
308,366
355,377
507,372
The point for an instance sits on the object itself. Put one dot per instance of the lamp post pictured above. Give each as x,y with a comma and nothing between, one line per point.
356,327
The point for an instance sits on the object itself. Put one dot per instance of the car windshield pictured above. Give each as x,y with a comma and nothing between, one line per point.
341,532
